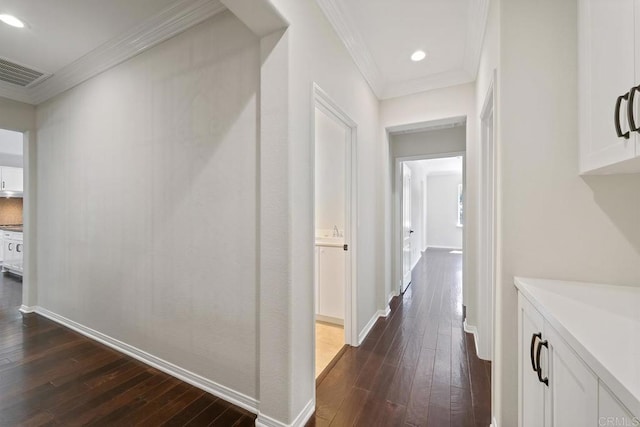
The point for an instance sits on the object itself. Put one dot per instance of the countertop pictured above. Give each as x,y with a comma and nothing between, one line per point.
602,325
14,228
331,242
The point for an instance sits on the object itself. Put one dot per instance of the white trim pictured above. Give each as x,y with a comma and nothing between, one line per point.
26,309
476,29
391,295
367,328
494,422
329,319
354,42
470,329
486,221
223,392
300,421
180,16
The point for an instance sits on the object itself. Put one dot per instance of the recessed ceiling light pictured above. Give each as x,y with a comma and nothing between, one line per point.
11,20
418,55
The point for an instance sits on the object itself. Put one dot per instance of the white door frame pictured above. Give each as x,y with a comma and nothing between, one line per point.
397,210
487,225
323,102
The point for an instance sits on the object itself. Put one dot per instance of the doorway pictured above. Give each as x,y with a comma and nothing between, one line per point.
11,218
432,209
334,231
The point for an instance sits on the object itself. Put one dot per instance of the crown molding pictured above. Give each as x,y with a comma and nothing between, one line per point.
476,29
343,25
166,24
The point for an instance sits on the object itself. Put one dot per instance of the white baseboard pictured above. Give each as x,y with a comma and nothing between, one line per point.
494,423
223,392
329,319
390,296
300,421
365,331
470,329
443,247
27,309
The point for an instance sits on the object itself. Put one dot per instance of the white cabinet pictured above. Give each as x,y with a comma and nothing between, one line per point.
11,179
13,248
330,284
556,388
608,72
531,391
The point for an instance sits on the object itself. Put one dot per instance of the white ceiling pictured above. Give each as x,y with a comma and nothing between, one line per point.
73,40
61,31
442,166
381,36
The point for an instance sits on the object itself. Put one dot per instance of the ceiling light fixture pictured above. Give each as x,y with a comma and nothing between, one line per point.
11,20
418,55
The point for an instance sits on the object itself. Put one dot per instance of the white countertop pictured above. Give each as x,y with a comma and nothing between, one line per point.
601,323
331,242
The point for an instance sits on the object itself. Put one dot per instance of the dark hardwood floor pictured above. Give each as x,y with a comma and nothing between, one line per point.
417,367
52,376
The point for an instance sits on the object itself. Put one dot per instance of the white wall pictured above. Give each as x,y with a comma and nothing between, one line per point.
553,222
17,116
11,148
330,167
147,209
442,211
439,141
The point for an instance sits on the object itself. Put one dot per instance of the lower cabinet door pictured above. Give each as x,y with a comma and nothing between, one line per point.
331,281
573,387
531,395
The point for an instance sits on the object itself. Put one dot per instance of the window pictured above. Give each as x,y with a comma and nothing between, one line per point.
460,207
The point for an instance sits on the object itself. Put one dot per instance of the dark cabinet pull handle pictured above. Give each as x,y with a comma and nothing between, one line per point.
10,245
616,119
534,338
630,112
18,247
544,380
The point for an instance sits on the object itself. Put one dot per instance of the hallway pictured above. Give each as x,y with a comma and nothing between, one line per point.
417,367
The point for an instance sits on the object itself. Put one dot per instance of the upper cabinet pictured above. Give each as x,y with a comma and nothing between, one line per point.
609,75
11,179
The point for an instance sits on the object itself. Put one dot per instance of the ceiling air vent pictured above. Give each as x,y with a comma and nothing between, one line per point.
18,74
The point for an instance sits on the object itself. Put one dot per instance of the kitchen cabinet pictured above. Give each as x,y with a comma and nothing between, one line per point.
609,69
557,387
330,284
11,179
13,248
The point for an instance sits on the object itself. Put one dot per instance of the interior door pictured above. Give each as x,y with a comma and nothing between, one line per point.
407,232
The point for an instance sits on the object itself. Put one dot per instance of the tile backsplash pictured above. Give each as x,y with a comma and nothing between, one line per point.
10,211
